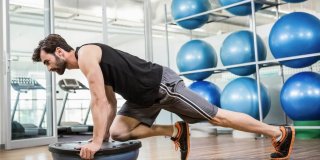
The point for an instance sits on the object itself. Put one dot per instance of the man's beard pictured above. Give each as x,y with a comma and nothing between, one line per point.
61,65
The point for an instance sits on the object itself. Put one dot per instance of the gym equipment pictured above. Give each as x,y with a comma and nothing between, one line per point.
71,86
17,130
185,8
296,34
241,95
300,96
109,151
208,91
194,55
307,133
294,1
238,48
20,130
241,10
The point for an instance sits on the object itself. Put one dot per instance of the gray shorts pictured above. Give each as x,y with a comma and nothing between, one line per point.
174,97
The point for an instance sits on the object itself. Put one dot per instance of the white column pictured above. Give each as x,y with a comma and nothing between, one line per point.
148,30
50,77
4,50
104,22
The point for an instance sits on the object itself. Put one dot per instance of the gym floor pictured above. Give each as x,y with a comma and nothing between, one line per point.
208,148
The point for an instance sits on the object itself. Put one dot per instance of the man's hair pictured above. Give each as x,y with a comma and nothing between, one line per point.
49,45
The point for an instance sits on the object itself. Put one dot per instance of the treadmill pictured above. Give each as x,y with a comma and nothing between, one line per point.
71,86
20,130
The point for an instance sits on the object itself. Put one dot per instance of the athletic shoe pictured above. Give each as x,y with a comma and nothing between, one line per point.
182,139
284,146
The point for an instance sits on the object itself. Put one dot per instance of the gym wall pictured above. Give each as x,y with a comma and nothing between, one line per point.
269,76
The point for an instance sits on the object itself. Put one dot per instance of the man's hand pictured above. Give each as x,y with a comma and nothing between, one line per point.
88,150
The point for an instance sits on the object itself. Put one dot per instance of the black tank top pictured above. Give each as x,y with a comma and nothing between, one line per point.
136,80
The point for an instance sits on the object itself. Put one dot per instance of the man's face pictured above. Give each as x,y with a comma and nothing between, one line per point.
53,62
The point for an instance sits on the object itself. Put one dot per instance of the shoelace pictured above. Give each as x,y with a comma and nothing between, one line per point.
275,144
177,144
176,141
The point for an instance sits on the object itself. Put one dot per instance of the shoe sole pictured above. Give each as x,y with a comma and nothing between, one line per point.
290,149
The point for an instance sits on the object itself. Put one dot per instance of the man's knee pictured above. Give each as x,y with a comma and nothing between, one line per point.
226,118
221,118
119,134
122,127
219,121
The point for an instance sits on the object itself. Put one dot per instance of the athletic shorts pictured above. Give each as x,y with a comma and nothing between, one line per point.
174,97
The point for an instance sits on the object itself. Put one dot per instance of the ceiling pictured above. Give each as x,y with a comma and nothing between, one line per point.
129,14
125,20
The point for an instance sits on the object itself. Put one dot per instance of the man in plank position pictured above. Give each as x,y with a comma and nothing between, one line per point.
148,88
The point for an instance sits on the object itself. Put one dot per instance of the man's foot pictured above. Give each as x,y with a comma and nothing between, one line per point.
284,146
182,139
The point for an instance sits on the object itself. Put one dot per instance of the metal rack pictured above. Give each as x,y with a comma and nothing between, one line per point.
258,64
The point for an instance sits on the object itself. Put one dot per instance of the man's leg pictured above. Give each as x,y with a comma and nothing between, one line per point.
282,137
244,122
192,108
126,128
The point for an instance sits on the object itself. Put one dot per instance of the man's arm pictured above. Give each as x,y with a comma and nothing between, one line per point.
113,101
102,111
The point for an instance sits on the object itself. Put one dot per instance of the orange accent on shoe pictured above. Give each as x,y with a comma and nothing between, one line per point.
177,138
176,142
276,143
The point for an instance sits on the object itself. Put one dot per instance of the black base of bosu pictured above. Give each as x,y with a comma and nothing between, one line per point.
128,150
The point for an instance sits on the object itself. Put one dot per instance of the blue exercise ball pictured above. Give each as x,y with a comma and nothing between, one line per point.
300,96
294,1
186,8
241,95
241,10
208,91
295,34
238,48
195,55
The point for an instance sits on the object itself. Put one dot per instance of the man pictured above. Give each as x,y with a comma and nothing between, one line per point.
148,88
